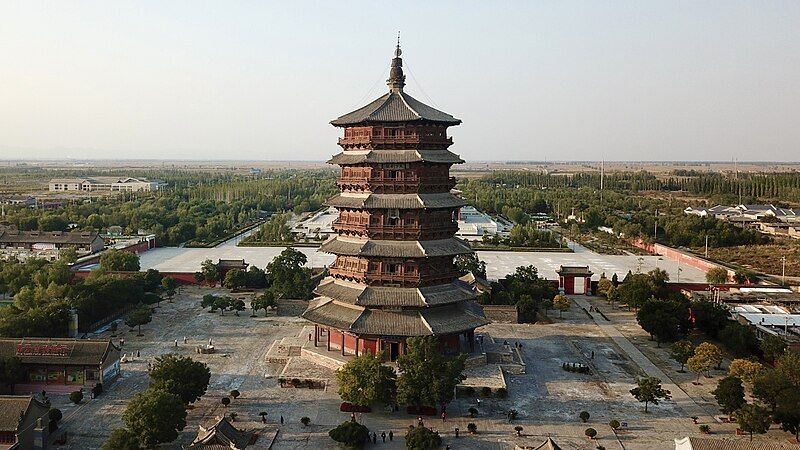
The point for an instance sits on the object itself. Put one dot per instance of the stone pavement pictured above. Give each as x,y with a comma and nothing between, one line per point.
681,398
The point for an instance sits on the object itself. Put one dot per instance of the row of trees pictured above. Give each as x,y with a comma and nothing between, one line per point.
157,415
285,276
45,293
198,209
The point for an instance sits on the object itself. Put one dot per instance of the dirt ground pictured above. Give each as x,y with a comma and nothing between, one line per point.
547,398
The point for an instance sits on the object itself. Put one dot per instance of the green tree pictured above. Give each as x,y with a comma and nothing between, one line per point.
788,366
210,271
770,387
119,260
122,439
637,289
155,416
11,372
648,390
772,347
351,434
663,319
169,285
422,438
68,255
364,380
709,317
526,309
427,377
76,397
182,376
288,277
753,419
561,303
739,339
681,351
603,286
729,394
234,279
138,317
264,301
469,263
717,275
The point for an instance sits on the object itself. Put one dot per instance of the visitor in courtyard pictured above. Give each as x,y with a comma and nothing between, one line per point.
383,436
391,435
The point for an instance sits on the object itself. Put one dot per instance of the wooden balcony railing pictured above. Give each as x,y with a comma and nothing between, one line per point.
393,142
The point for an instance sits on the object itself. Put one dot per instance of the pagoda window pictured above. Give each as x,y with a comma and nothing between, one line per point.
392,268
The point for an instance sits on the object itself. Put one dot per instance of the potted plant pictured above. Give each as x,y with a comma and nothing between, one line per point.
472,428
590,433
226,401
584,416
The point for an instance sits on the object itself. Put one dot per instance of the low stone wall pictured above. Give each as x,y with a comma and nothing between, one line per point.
681,257
501,313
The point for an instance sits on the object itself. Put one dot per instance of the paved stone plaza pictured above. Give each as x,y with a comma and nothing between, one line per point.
498,264
548,399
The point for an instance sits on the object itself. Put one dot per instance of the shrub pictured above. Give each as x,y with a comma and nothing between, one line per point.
76,397
614,424
422,438
584,415
705,429
486,391
305,421
590,433
351,434
472,428
235,394
502,392
473,411
226,401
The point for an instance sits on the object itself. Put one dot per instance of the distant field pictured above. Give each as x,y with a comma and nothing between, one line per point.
763,258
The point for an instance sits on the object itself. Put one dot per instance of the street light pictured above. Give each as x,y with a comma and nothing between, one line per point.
783,270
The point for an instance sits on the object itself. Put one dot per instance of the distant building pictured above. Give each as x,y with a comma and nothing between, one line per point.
473,225
105,184
226,265
750,212
574,280
82,241
24,422
62,365
319,225
18,200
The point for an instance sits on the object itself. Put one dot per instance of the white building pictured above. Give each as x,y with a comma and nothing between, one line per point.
105,184
318,225
474,224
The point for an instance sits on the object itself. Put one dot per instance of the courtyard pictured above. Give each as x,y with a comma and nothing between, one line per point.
547,398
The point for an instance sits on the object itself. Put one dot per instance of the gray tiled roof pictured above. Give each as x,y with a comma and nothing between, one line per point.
92,352
14,406
395,156
221,434
394,296
395,249
400,201
54,237
395,107
409,322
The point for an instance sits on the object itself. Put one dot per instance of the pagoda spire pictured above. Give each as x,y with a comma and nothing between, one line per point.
396,79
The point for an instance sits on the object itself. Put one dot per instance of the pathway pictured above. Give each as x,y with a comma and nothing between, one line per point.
679,396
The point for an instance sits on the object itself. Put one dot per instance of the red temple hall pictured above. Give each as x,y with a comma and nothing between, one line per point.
395,243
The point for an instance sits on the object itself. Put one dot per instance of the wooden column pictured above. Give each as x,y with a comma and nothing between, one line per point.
316,334
357,339
329,339
342,343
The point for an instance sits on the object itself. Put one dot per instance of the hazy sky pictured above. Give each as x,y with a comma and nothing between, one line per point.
544,80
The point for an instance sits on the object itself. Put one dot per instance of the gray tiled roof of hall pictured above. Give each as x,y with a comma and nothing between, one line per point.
400,201
395,156
395,249
395,107
379,296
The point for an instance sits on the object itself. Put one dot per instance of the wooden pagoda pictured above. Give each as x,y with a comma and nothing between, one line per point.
394,275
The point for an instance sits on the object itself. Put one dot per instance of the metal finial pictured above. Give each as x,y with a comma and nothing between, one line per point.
397,51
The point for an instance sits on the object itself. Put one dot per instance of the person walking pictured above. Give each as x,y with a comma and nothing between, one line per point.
184,339
176,342
391,435
383,436
444,417
281,420
374,438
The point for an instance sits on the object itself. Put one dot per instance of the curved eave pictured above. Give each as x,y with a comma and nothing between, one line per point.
395,156
339,245
395,107
384,296
399,201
